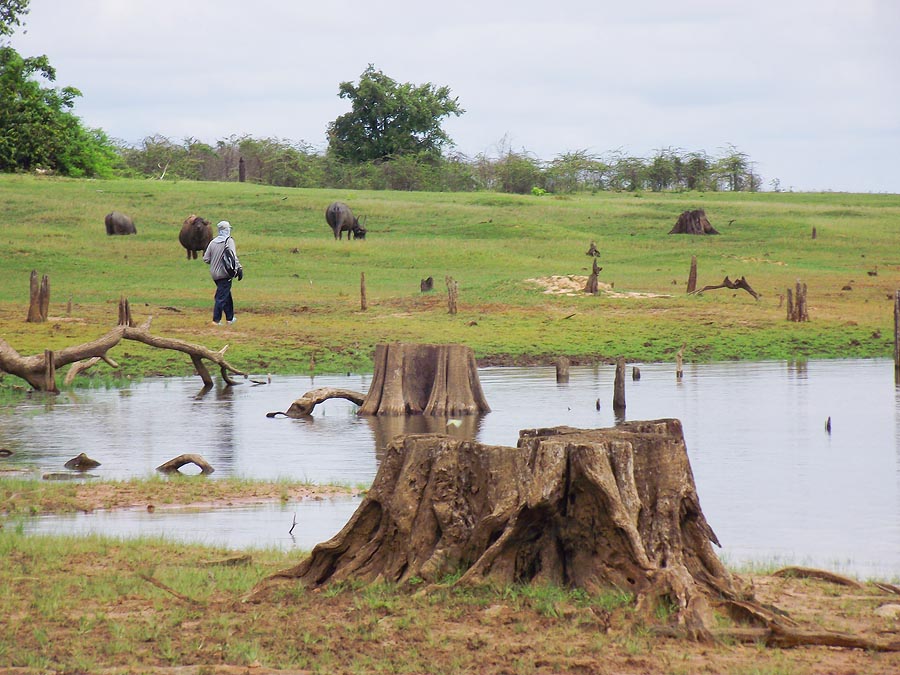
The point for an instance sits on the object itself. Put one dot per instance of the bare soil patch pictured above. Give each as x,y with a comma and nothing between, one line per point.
573,285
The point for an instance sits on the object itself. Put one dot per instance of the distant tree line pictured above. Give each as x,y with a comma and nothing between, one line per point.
285,163
391,139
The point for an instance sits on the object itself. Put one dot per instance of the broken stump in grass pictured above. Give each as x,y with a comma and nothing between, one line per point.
175,464
426,379
693,222
591,509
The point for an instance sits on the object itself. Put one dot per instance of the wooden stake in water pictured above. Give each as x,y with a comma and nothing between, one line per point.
619,388
679,363
562,369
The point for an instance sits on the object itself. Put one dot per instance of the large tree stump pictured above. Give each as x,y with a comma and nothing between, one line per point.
693,222
590,509
424,379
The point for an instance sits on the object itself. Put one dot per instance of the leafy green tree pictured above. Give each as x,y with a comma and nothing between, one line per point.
389,120
11,13
37,127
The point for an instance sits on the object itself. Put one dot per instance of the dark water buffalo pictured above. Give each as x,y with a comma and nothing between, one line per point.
341,219
119,223
195,235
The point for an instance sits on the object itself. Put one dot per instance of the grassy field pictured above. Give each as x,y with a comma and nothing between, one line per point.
300,300
92,604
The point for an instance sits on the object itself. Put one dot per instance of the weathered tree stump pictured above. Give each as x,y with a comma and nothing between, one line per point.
593,283
426,285
452,294
693,222
424,379
39,299
590,509
81,462
796,303
692,275
562,369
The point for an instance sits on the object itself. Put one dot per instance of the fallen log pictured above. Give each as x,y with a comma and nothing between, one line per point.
174,464
741,283
811,573
303,406
39,370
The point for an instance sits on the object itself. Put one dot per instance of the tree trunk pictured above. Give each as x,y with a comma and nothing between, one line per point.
590,509
424,378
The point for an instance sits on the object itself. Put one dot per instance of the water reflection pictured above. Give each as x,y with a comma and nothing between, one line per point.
773,483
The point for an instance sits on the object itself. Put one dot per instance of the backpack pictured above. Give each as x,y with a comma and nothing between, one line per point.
229,262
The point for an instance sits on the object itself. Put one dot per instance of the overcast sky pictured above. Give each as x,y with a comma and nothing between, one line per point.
809,89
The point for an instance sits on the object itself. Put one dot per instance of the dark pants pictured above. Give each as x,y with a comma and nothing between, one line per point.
224,303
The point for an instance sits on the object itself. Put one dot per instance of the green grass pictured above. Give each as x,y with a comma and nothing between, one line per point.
299,301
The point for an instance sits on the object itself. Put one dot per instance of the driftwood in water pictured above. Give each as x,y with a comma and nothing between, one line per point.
39,299
741,283
591,509
693,222
174,464
39,370
424,379
81,462
303,406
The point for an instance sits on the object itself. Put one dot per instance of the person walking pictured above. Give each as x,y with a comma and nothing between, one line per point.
215,258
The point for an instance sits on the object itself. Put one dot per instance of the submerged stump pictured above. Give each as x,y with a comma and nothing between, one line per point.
589,509
426,379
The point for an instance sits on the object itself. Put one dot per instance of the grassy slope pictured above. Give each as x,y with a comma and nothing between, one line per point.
300,296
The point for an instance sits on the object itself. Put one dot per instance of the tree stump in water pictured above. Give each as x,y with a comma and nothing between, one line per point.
424,379
590,509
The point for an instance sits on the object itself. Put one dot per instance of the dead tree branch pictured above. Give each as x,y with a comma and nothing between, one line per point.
741,283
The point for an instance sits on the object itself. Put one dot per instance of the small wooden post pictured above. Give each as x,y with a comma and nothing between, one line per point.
50,372
635,373
619,387
814,232
242,171
679,363
363,305
790,305
897,336
44,297
692,276
562,369
452,294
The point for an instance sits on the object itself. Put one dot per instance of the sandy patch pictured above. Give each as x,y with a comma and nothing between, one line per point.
573,285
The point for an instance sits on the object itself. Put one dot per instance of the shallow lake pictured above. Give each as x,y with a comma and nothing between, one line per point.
773,483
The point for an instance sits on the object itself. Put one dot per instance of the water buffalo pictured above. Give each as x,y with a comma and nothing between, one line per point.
341,219
195,235
119,223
